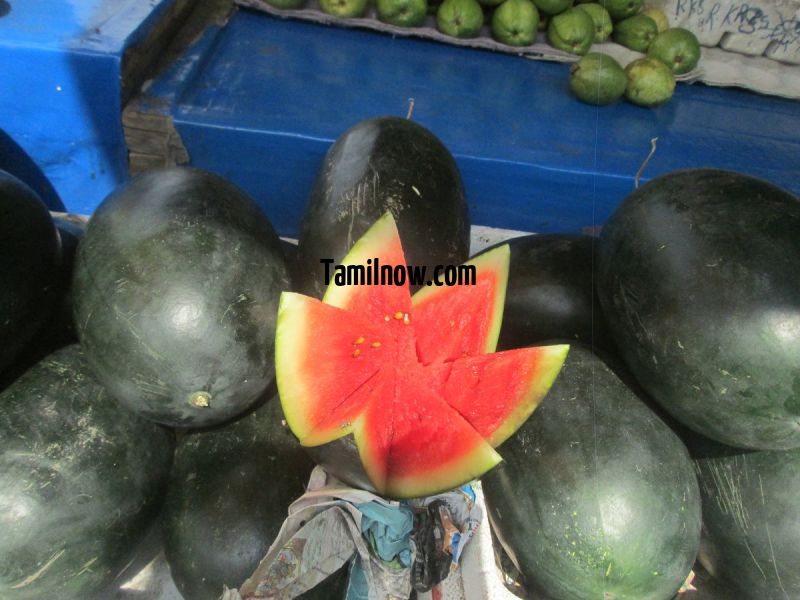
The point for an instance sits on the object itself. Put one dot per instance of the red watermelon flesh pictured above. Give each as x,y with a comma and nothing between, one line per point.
408,436
386,306
512,384
318,348
426,400
444,333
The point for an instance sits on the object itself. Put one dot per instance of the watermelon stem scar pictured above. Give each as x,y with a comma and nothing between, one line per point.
200,399
415,380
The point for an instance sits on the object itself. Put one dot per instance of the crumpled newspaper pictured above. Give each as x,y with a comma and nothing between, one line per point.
322,532
445,523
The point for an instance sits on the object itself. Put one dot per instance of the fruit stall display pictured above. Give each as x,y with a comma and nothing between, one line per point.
675,439
653,53
627,400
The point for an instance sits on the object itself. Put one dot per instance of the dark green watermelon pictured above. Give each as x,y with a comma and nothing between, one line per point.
17,162
81,480
30,255
59,330
706,587
290,255
378,165
751,518
230,491
71,230
596,497
550,294
342,458
699,278
176,293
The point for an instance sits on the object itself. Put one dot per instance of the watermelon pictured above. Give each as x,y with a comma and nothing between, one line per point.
551,294
702,586
699,278
30,256
81,481
596,497
219,520
751,518
384,164
176,290
59,330
414,380
15,161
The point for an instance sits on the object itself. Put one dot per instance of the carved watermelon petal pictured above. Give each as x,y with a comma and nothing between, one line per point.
321,408
379,248
457,321
496,393
412,443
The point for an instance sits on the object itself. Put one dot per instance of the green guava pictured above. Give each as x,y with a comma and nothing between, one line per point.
658,16
650,82
635,32
571,31
597,79
344,8
677,48
460,18
403,13
515,22
601,19
552,7
622,9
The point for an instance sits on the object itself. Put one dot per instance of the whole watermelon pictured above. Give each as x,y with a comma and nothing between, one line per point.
30,256
228,496
81,481
751,518
699,278
176,293
551,294
596,497
378,165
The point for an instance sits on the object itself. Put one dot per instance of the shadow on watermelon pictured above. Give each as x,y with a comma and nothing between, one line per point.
415,380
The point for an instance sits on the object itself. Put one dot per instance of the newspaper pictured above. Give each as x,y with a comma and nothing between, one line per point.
321,534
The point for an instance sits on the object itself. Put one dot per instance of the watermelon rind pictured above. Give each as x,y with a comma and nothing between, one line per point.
362,362
294,360
547,362
550,360
497,262
383,234
448,474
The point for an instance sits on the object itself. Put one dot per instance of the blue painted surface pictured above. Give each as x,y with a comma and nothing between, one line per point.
261,100
60,88
15,160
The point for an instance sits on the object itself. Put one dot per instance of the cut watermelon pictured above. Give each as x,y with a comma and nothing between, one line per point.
444,333
408,435
386,306
415,380
514,382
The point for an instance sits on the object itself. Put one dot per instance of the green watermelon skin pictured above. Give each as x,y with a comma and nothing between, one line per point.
176,293
30,257
380,164
551,295
341,458
81,480
228,497
596,498
699,278
751,518
59,330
